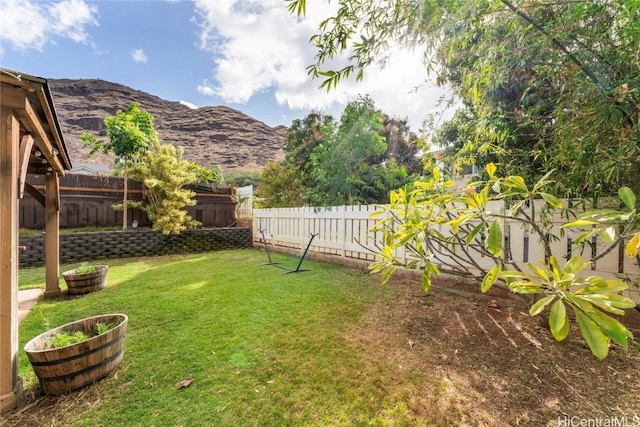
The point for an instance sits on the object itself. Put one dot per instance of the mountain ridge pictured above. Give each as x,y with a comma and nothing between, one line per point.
210,135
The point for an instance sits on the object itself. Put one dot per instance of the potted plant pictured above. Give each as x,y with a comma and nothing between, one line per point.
86,278
77,354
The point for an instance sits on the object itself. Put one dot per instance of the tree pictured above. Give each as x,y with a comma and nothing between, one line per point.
449,229
545,85
280,187
348,161
243,179
130,133
164,174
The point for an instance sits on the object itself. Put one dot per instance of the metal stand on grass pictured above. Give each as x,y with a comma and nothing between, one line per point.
276,264
266,248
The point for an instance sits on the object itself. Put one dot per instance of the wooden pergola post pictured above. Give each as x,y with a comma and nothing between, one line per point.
31,143
10,384
52,235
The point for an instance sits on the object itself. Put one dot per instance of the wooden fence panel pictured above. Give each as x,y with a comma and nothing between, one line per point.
86,201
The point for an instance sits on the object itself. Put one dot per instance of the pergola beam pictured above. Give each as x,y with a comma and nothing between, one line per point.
17,99
25,151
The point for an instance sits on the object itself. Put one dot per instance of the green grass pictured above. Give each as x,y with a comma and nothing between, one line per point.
263,348
29,232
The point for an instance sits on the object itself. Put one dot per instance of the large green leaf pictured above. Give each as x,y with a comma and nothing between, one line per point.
491,277
574,265
593,334
558,321
539,305
494,240
541,272
600,285
552,200
614,329
628,197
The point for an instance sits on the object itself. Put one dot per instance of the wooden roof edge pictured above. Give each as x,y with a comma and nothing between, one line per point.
41,87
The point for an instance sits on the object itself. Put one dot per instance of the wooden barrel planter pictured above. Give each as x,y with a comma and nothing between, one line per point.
83,283
77,365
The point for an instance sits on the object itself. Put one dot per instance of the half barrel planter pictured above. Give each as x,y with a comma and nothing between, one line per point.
68,368
83,283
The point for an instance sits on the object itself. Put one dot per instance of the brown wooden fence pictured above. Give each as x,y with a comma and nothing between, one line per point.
86,201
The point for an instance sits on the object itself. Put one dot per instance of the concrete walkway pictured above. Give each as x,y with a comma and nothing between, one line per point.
27,299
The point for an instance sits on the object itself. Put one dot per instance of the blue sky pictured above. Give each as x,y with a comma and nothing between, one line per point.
250,55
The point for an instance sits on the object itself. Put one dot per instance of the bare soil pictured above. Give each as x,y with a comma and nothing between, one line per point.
489,363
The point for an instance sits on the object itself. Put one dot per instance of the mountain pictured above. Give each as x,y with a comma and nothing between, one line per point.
211,136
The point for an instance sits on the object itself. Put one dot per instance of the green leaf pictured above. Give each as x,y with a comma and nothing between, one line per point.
608,235
517,182
491,277
436,174
558,321
474,233
426,280
579,223
633,245
628,197
600,285
574,265
494,240
556,271
491,169
539,271
540,305
552,200
612,328
524,287
593,334
387,273
603,304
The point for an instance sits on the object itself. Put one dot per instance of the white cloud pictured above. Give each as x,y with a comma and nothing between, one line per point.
257,45
69,18
189,104
138,55
28,24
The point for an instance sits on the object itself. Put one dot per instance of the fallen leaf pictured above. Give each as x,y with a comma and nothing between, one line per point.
184,383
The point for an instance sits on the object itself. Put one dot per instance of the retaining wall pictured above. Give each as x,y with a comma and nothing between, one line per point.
117,244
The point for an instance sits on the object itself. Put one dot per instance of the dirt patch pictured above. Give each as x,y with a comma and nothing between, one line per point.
489,363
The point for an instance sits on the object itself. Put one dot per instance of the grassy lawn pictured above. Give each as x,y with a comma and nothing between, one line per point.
262,347
326,347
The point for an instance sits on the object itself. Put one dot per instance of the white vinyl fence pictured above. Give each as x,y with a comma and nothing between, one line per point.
345,231
244,197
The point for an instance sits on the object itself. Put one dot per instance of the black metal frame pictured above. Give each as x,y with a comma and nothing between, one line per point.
277,264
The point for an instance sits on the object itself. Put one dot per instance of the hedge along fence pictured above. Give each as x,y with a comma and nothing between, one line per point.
82,247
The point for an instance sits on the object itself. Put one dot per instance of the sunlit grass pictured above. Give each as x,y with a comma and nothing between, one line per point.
263,347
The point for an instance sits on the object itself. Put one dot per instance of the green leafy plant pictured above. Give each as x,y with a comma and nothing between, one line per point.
442,228
102,327
66,338
85,268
